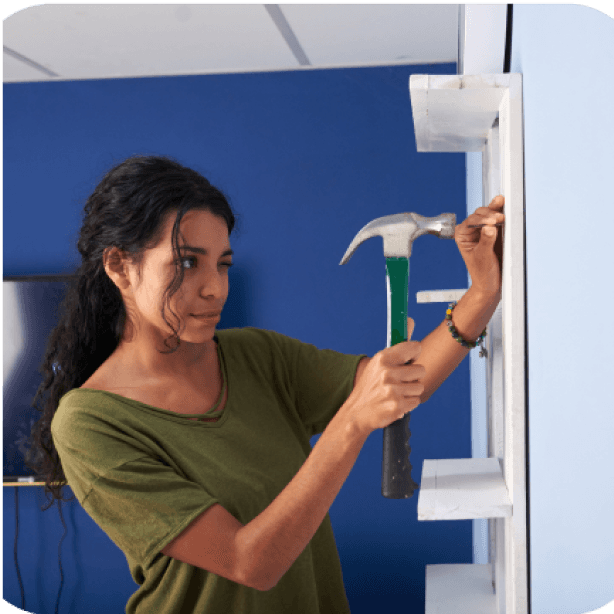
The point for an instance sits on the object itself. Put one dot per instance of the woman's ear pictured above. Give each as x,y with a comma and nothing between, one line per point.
115,265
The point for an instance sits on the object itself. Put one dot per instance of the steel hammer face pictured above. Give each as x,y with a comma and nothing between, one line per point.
400,230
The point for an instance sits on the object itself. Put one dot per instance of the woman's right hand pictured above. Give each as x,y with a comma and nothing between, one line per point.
388,387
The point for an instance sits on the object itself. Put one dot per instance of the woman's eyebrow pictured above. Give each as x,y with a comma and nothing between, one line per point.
202,250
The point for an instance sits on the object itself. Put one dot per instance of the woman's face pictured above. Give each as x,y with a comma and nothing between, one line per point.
206,256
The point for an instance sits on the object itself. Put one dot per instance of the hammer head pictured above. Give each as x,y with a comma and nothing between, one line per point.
400,230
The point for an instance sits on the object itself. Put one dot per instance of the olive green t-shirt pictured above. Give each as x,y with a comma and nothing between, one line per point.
144,473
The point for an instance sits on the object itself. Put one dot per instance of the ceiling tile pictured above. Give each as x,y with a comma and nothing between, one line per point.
333,34
98,41
114,40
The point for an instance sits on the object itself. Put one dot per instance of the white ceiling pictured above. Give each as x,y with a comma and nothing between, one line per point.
71,41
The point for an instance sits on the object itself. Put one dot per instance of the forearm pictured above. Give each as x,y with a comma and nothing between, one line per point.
275,538
441,353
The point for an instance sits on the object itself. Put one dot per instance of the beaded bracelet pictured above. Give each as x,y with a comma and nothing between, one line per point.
467,344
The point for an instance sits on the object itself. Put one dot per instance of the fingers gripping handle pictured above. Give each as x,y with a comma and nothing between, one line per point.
397,482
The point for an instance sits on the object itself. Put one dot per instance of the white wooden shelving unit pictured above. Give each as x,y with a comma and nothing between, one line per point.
469,113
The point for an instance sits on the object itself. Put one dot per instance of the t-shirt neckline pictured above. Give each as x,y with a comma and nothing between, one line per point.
214,412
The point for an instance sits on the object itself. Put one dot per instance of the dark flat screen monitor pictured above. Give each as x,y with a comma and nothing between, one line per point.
30,312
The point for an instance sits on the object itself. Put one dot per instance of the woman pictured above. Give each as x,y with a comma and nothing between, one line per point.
190,447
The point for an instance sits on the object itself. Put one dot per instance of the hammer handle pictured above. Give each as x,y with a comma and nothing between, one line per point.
397,482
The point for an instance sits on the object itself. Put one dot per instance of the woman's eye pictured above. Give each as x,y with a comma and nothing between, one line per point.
193,261
189,259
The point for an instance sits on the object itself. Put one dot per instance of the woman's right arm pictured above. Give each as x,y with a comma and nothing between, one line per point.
259,553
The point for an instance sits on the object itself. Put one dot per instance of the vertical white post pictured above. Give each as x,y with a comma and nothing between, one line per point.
512,176
491,170
457,114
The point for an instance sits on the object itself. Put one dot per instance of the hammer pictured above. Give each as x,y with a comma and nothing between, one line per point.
398,232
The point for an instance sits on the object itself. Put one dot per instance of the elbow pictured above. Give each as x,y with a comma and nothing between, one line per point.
267,586
261,578
258,570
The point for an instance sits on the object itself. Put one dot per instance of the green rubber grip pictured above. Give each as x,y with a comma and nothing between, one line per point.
397,482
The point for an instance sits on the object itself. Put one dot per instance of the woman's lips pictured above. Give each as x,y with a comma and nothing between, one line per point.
207,316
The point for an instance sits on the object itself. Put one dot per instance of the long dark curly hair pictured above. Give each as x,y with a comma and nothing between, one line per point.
127,210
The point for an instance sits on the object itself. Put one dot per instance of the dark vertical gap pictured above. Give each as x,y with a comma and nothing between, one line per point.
508,39
526,396
506,69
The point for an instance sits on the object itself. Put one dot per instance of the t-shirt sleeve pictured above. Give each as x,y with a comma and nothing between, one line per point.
137,499
323,380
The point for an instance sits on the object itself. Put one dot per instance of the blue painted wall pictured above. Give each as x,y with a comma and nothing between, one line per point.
307,158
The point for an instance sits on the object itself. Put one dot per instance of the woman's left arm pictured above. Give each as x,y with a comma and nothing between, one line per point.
483,256
441,353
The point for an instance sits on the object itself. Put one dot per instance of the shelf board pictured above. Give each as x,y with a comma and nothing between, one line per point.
454,113
462,489
460,589
440,296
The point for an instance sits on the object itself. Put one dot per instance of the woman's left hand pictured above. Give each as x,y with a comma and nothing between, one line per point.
483,254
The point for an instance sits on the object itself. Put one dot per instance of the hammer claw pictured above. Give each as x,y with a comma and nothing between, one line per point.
400,230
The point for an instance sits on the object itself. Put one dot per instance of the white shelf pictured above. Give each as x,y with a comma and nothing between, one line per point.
455,112
440,296
463,489
459,589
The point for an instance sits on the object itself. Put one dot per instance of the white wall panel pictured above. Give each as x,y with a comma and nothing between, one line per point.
568,165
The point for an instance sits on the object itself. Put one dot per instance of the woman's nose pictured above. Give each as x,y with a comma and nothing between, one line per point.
214,284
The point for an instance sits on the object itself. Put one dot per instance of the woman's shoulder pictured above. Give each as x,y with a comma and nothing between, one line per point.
114,375
251,334
95,382
108,376
79,410
258,350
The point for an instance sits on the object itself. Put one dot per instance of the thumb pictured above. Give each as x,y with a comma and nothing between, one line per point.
489,234
410,328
